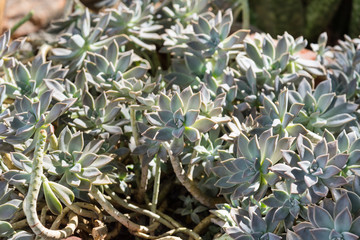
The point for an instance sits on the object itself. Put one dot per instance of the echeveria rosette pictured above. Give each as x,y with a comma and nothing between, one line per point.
8,49
77,165
314,169
280,115
330,220
249,174
184,11
53,191
322,107
99,117
269,62
8,204
348,143
110,65
75,46
204,52
136,22
342,61
64,88
177,117
289,206
240,223
30,116
31,80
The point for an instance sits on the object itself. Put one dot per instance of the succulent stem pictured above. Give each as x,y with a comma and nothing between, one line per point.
187,183
109,208
30,200
137,209
156,189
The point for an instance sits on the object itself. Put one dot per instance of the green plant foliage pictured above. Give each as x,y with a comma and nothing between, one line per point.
166,118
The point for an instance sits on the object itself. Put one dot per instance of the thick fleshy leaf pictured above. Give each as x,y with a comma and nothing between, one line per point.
204,124
76,143
322,218
8,209
192,134
343,221
5,229
51,200
62,192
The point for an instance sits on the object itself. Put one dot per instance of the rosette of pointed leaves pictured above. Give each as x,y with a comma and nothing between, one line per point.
136,22
213,107
314,169
53,191
184,11
30,81
205,52
268,61
211,33
249,224
248,174
7,49
64,88
279,116
237,126
99,116
331,220
348,143
207,151
322,108
78,165
111,66
9,204
76,45
343,62
177,117
30,116
288,206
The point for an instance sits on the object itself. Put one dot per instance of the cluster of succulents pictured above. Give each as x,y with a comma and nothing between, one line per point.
162,118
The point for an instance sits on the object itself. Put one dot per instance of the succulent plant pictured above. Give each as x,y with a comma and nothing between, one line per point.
344,68
76,45
280,117
78,165
99,116
31,116
185,10
31,81
289,206
136,22
315,168
177,117
8,49
322,108
249,174
268,61
331,220
205,52
110,66
247,224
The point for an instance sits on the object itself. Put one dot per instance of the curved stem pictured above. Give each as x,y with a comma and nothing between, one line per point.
137,209
187,183
203,224
109,208
30,201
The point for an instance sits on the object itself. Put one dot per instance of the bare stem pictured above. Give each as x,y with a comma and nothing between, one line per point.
156,189
187,183
137,209
30,201
109,208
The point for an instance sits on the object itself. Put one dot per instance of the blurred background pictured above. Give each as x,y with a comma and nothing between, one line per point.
298,17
